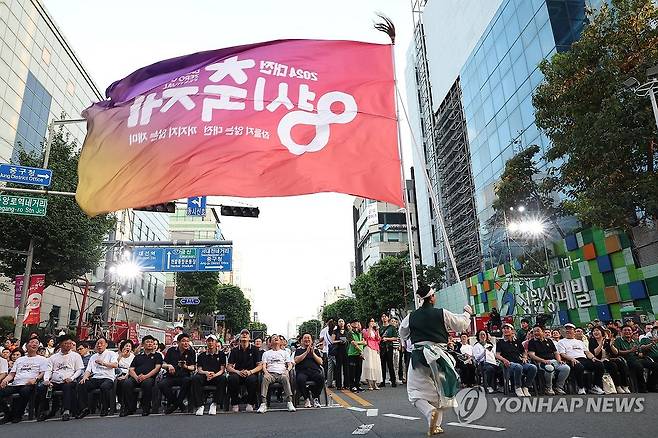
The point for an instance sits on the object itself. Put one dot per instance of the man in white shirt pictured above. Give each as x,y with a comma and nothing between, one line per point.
330,359
4,368
22,379
98,375
64,367
276,366
574,352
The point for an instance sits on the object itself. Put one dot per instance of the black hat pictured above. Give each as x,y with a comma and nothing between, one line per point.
147,337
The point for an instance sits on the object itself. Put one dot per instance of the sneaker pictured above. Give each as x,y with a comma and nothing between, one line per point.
526,392
581,391
262,409
561,391
316,403
307,403
83,413
66,416
382,385
213,409
235,408
199,411
519,392
549,391
596,390
250,408
626,389
291,407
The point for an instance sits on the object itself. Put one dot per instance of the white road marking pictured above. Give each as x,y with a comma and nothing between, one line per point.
372,412
477,426
401,417
354,408
363,429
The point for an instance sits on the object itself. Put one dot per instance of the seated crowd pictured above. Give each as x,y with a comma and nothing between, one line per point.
74,381
615,357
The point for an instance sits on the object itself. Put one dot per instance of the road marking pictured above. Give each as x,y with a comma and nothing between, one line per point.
363,429
352,408
372,412
401,417
359,400
337,399
477,426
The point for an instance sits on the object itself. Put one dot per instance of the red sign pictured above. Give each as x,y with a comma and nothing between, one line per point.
33,300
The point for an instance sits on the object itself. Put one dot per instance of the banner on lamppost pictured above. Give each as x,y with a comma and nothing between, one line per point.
33,299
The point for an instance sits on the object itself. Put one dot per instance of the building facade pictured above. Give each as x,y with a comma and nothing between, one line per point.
475,66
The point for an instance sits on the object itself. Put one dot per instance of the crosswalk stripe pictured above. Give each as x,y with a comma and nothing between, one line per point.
361,401
337,399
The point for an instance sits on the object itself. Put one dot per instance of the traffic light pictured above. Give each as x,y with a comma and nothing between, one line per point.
231,210
165,207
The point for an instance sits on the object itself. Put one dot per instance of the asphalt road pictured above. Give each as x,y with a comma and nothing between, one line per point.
369,408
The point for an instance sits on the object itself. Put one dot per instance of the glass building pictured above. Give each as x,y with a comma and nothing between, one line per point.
494,85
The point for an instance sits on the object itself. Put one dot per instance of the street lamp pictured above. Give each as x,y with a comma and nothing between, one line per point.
647,89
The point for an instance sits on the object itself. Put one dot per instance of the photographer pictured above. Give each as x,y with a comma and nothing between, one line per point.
179,363
339,339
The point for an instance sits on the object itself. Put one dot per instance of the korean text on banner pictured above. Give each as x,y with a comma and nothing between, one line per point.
33,300
278,118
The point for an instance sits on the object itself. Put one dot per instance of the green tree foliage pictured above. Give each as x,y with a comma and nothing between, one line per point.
67,243
602,133
257,325
344,308
232,303
312,326
204,285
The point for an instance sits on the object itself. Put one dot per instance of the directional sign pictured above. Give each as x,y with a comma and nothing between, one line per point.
149,259
181,259
220,317
215,258
23,205
25,175
189,301
196,206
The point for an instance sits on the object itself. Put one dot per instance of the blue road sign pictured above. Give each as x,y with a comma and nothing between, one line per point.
149,259
181,259
26,175
216,258
196,206
189,301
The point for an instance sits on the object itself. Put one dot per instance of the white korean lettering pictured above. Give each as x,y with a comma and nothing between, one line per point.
231,67
225,93
181,95
259,94
281,99
305,98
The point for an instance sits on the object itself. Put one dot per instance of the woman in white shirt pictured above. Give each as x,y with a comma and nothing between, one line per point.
485,356
126,357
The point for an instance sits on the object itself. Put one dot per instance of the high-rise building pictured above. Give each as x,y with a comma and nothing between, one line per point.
475,66
380,229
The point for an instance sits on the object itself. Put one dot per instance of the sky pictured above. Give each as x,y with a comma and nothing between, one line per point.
299,246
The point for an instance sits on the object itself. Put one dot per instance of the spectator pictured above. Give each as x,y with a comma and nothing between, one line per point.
83,351
648,329
328,351
141,374
543,352
355,356
574,351
6,353
388,334
211,366
339,339
307,366
485,357
556,335
630,350
580,334
523,331
126,358
276,365
649,344
548,334
466,362
243,367
513,356
15,354
372,368
179,363
601,346
396,349
50,346
64,367
22,379
4,367
100,374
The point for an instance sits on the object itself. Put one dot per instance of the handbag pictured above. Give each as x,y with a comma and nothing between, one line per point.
608,384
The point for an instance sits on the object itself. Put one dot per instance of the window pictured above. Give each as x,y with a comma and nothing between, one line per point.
54,314
73,318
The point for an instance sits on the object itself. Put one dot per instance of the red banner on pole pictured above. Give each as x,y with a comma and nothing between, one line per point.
17,291
33,300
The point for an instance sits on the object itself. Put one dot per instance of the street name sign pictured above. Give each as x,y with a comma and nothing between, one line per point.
183,259
23,205
25,175
189,301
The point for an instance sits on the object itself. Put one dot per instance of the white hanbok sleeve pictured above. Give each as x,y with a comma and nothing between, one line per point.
456,322
404,331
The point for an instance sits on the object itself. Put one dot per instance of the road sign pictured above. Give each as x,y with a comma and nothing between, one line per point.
189,301
23,205
181,259
220,317
196,206
25,175
215,258
149,259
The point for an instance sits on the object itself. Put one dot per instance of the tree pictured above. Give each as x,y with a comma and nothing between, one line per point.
67,243
312,326
386,286
345,308
204,285
257,325
232,303
602,133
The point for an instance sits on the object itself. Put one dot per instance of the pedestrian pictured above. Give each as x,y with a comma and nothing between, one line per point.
339,339
388,334
355,356
372,367
329,351
430,391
